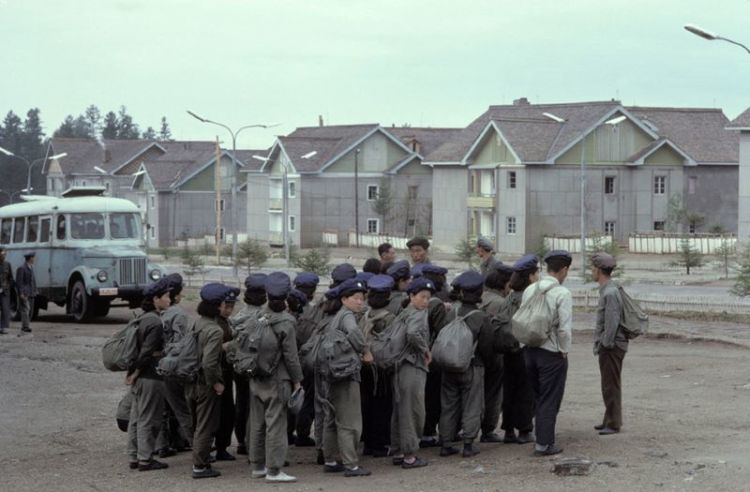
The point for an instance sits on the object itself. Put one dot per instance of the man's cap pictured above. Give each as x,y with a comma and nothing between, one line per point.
29,254
399,270
298,296
418,241
364,277
157,289
503,268
416,270
351,286
381,283
431,268
420,284
469,280
332,293
278,285
485,244
216,293
343,272
306,280
558,253
175,281
256,281
603,260
526,263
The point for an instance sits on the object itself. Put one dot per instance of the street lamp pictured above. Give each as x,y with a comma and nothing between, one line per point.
711,36
29,165
234,175
612,122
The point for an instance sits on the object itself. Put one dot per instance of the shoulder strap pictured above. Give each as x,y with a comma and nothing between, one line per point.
469,313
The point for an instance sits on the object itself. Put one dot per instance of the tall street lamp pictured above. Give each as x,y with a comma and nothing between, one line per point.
711,36
233,183
29,165
612,122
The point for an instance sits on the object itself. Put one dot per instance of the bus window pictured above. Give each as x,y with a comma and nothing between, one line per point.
32,228
61,227
18,229
123,226
87,226
6,226
44,236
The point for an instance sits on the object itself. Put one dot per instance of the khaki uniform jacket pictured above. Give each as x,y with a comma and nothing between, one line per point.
417,335
210,337
608,333
284,327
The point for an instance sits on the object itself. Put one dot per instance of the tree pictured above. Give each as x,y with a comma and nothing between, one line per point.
193,261
676,212
66,128
12,133
688,256
81,128
111,126
599,246
467,252
724,252
149,134
251,254
165,134
741,286
31,141
94,120
383,204
126,128
316,260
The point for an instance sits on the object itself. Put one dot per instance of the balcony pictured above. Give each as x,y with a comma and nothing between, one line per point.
276,238
276,204
481,200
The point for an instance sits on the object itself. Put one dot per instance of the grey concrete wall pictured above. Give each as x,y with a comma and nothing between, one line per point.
715,197
743,232
257,206
449,217
513,202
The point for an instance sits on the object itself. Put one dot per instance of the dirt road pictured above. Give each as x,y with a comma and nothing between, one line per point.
687,425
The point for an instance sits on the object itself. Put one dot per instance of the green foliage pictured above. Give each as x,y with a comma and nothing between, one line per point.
597,245
165,134
678,215
166,253
688,256
194,263
149,134
725,252
541,248
467,252
251,254
717,229
315,260
741,286
383,204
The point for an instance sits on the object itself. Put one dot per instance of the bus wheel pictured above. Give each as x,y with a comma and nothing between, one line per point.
15,312
80,302
100,309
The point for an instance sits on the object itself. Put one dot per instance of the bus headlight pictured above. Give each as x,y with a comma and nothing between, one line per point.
102,276
154,275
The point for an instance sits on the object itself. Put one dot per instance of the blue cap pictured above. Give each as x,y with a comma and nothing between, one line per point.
416,270
364,277
399,270
216,293
419,284
157,289
298,296
306,280
470,280
256,281
351,286
175,280
278,285
503,268
431,268
381,283
525,263
343,272
558,253
332,293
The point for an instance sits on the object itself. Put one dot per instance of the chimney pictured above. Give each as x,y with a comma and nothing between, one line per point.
521,102
107,155
320,120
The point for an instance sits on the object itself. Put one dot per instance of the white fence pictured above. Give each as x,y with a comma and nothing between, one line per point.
374,240
197,242
573,244
659,303
672,243
330,239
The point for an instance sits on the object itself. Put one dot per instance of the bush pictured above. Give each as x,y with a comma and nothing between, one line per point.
741,286
599,246
689,257
316,260
250,254
194,264
467,252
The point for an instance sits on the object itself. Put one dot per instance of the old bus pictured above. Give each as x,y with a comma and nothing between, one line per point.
89,250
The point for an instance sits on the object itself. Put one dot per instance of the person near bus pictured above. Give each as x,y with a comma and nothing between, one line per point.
26,286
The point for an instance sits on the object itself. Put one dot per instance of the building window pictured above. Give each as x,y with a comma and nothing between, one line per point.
32,229
411,223
609,228
510,225
372,192
106,185
691,228
153,201
660,185
609,185
61,227
292,189
19,229
692,181
152,231
511,179
413,192
218,205
292,223
83,183
6,228
659,225
45,233
373,226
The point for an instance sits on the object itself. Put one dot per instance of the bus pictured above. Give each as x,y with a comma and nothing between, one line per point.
89,250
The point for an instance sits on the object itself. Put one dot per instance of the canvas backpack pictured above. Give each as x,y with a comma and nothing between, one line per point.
634,321
308,352
121,350
336,358
182,359
388,346
454,346
503,338
533,322
257,351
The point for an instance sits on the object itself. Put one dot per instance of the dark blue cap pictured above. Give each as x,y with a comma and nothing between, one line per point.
364,277
256,281
419,284
381,283
278,285
503,268
332,293
433,269
30,254
525,263
157,289
399,270
216,293
343,272
351,286
558,253
470,280
416,270
175,280
306,280
298,296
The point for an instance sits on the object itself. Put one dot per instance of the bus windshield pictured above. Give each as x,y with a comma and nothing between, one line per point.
87,226
123,225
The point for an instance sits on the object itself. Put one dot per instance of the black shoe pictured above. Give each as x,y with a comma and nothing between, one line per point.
304,442
551,450
469,451
321,459
242,449
167,452
290,440
599,427
133,465
607,431
223,455
356,472
417,463
152,465
525,437
397,460
429,442
510,437
449,451
337,468
491,437
26,330
206,472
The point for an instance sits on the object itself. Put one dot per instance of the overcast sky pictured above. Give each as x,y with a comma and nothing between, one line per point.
423,62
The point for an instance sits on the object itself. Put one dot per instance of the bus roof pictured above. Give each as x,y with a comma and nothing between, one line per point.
69,205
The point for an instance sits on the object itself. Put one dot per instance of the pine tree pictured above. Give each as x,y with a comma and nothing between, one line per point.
688,256
467,252
65,130
126,130
111,126
741,286
250,254
165,134
12,133
81,128
94,119
316,261
149,134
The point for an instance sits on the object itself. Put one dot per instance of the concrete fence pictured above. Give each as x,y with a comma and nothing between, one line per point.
330,238
573,243
374,240
669,243
659,303
197,242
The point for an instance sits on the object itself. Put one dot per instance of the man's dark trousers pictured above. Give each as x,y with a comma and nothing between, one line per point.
610,368
547,373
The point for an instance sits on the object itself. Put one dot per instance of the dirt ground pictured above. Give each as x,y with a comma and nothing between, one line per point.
685,408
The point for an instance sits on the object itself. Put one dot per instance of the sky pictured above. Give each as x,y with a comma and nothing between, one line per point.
419,62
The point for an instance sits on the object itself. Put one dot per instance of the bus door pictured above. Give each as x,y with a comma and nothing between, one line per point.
41,227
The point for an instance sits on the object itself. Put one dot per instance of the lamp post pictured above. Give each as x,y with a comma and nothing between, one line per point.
612,122
29,165
711,36
233,182
356,196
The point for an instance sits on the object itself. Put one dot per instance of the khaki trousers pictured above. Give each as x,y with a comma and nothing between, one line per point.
462,404
610,368
342,426
145,418
204,406
407,419
268,422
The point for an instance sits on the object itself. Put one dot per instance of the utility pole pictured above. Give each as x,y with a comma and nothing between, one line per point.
356,196
217,205
285,209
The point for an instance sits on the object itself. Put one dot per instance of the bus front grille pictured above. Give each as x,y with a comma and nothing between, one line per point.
132,271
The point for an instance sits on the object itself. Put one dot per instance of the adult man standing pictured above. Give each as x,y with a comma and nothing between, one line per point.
419,250
610,342
486,251
547,365
6,283
26,285
387,253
